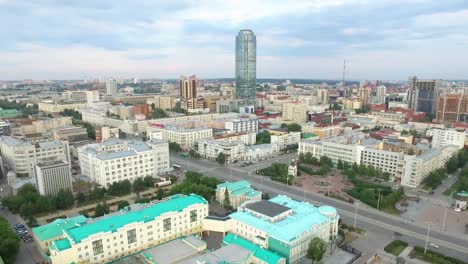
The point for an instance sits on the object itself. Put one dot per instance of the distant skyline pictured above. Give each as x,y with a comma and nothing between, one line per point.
385,39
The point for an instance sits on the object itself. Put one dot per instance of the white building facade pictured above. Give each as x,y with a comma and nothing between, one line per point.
210,149
51,177
442,138
242,125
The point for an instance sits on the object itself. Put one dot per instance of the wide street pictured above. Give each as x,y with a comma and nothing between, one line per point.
455,245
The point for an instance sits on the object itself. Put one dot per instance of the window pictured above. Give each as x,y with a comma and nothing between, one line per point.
131,236
97,247
193,216
167,224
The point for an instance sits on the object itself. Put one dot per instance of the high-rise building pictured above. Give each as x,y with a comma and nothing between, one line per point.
363,94
323,96
294,112
111,86
188,93
452,107
246,66
422,95
52,177
381,93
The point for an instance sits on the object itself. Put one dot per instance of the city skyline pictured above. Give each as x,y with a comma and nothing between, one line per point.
310,39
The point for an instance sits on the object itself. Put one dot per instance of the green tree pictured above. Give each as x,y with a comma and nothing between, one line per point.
294,127
452,164
138,186
9,242
80,197
158,113
101,209
227,200
221,159
149,181
263,137
174,146
160,194
316,249
65,199
122,204
153,106
339,165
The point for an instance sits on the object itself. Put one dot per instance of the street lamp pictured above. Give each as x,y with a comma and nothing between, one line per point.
355,213
445,218
427,236
378,200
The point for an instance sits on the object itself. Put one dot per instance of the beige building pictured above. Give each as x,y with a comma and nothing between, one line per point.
327,131
70,133
284,139
162,102
294,112
82,95
246,137
185,137
363,94
23,127
56,107
210,149
211,100
239,192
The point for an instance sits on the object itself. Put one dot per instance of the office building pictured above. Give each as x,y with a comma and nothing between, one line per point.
210,149
422,95
5,128
363,94
442,138
162,102
262,151
284,225
285,139
104,132
111,87
82,95
116,160
185,137
294,112
21,156
239,192
452,107
188,93
53,176
70,133
246,66
381,93
242,125
323,96
130,230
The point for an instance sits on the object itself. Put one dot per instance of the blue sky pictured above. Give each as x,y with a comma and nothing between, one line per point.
380,39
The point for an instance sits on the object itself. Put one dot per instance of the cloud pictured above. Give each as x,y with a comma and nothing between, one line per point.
355,31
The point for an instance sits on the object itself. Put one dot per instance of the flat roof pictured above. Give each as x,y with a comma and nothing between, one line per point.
268,208
111,223
265,255
303,218
173,250
231,186
61,244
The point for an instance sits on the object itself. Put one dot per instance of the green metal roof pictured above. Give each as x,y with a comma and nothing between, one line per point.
61,244
304,216
263,254
241,191
8,112
253,193
232,186
308,135
112,223
55,228
463,194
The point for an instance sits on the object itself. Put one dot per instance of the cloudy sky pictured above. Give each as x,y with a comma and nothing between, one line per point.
380,39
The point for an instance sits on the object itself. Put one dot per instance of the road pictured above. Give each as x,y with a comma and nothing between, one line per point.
455,245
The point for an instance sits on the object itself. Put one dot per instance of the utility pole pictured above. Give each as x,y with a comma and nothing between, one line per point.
445,218
355,213
427,236
378,200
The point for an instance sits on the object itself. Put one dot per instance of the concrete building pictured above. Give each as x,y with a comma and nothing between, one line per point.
284,139
162,102
246,66
82,95
28,126
104,133
115,160
242,125
381,94
5,128
326,131
239,192
70,133
442,138
323,96
210,101
363,94
245,137
262,151
452,107
422,95
131,230
188,93
227,105
294,112
185,137
284,225
56,107
210,149
52,177
111,87
141,109
22,156
98,117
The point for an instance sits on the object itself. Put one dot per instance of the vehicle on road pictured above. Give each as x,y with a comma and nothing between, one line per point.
398,234
433,245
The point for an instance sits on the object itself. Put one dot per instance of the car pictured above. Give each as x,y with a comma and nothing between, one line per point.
431,192
22,232
433,245
398,234
18,226
28,240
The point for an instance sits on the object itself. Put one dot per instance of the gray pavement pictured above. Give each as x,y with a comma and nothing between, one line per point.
455,245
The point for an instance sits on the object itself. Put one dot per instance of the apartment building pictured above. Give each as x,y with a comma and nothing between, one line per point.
242,125
210,149
82,95
185,137
294,112
384,160
262,151
452,107
131,230
284,225
116,160
99,118
28,126
326,131
104,132
283,139
53,176
446,137
56,107
245,137
21,156
239,192
162,102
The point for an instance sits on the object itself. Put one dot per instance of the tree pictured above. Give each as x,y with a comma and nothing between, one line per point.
263,137
316,249
9,242
452,164
101,209
80,197
227,200
138,186
160,194
153,106
294,127
174,146
221,159
158,113
265,196
339,165
122,204
65,199
149,181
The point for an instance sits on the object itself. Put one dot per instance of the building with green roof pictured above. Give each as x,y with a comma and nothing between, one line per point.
461,200
46,234
262,254
130,230
239,192
9,113
284,225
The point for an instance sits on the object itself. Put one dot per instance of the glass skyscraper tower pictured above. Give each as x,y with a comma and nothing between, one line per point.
246,66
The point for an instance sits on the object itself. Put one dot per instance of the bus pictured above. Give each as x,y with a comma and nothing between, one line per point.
176,167
184,155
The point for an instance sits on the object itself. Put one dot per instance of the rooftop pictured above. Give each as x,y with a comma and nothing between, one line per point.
55,228
304,216
268,208
49,144
60,245
231,186
111,223
263,254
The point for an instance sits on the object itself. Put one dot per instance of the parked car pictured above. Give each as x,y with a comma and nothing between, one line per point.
433,245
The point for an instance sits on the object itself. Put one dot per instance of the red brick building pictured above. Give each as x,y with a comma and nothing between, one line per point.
141,109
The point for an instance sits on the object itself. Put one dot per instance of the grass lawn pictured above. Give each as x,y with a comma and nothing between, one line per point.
391,210
434,257
452,189
88,202
396,247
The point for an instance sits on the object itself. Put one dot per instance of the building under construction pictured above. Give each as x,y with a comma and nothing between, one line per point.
452,107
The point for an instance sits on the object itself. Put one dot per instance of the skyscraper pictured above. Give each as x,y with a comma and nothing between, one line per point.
111,87
188,93
246,66
381,93
363,94
422,95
